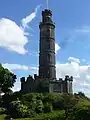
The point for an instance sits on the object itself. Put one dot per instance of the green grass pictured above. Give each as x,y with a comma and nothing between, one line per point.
43,116
2,117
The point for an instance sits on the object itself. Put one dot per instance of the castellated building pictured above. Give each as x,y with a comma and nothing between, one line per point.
46,80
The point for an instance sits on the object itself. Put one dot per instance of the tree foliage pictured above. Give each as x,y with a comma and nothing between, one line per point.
18,110
7,79
74,107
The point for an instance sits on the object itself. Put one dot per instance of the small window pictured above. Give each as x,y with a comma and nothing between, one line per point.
49,58
48,32
48,73
48,46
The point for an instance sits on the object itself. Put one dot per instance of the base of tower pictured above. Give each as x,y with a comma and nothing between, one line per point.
37,84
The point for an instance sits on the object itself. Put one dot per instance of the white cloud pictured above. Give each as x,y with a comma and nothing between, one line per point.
12,37
73,59
80,73
83,60
12,67
29,18
57,48
14,89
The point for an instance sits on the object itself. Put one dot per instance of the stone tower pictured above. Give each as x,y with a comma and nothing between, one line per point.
47,46
46,81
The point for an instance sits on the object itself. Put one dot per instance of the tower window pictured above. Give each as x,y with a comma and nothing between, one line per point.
48,73
48,45
48,19
49,58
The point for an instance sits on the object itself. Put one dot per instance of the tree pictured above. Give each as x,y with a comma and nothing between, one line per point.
7,79
69,103
80,112
18,110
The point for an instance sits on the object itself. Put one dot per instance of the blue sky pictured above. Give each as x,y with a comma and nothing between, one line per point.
19,38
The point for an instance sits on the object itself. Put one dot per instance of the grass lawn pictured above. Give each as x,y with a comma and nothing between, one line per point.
2,117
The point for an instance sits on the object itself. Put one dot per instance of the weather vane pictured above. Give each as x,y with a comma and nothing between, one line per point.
47,3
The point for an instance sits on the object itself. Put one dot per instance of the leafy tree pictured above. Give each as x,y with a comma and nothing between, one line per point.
18,110
69,102
7,79
80,112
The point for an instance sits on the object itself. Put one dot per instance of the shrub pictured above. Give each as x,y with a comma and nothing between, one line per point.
58,102
80,112
32,105
3,111
48,97
39,96
48,108
18,110
56,115
39,106
27,99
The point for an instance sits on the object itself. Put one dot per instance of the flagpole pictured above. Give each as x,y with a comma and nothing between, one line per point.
47,4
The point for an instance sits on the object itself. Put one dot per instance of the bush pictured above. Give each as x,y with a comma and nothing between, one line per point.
39,106
27,99
48,108
3,111
58,102
80,112
56,115
49,97
18,110
7,117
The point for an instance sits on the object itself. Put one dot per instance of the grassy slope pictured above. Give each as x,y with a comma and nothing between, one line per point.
47,115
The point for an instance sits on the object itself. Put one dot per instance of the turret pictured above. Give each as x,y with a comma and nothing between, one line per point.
22,83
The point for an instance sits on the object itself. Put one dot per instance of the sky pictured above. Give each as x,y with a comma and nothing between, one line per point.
19,38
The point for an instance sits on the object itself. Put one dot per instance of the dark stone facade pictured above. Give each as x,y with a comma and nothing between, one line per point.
37,84
47,46
46,80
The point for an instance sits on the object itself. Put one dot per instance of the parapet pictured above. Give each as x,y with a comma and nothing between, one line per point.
47,12
67,78
71,78
60,79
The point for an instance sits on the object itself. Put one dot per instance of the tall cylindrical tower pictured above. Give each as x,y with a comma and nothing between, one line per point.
47,46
